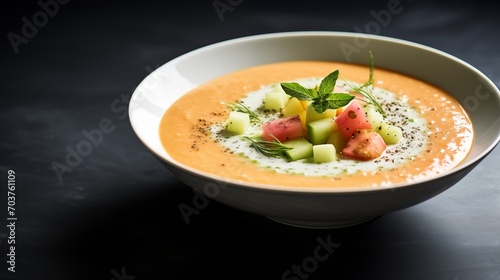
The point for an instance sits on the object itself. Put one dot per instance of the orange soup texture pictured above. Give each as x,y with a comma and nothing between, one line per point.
184,128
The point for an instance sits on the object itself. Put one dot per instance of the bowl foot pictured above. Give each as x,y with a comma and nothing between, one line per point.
321,224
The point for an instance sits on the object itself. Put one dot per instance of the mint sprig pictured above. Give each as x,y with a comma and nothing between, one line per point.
322,97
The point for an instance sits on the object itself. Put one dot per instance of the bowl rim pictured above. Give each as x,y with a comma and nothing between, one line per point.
312,190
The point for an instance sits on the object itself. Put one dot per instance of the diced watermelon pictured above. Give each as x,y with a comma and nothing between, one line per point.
283,129
351,119
364,144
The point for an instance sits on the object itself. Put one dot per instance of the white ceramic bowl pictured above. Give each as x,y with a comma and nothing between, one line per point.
309,206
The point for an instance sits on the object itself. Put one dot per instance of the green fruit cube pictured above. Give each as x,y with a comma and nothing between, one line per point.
301,149
324,153
238,122
337,139
319,130
375,118
275,100
391,134
312,115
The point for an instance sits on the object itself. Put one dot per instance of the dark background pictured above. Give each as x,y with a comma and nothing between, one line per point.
116,215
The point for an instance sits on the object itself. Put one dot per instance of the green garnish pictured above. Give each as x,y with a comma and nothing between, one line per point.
366,89
239,107
322,97
268,148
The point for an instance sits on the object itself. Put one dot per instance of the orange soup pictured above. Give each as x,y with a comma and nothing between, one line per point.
437,133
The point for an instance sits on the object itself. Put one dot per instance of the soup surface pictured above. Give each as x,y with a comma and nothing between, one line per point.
437,134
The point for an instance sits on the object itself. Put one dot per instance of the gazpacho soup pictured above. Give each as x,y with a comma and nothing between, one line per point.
317,124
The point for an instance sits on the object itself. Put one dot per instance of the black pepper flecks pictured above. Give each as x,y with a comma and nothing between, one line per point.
200,132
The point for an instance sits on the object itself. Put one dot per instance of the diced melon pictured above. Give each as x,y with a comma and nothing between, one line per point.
302,116
324,153
305,103
312,115
391,134
293,107
277,87
283,129
301,149
375,118
275,100
365,144
319,130
337,138
238,122
286,97
352,119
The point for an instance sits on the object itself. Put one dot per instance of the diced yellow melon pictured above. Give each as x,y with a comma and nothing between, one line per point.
305,103
238,122
324,153
295,107
302,116
292,107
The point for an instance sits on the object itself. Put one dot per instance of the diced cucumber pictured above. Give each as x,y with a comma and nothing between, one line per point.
238,122
301,149
337,139
375,118
312,115
275,100
324,153
319,130
391,134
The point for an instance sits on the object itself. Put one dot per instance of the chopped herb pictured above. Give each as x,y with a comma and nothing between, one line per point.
239,107
322,97
366,89
268,148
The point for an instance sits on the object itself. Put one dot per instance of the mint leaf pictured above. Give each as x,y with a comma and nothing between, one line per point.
334,104
341,97
320,106
323,97
332,101
296,90
328,83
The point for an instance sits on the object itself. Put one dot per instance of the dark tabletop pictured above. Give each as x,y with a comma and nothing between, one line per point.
114,214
